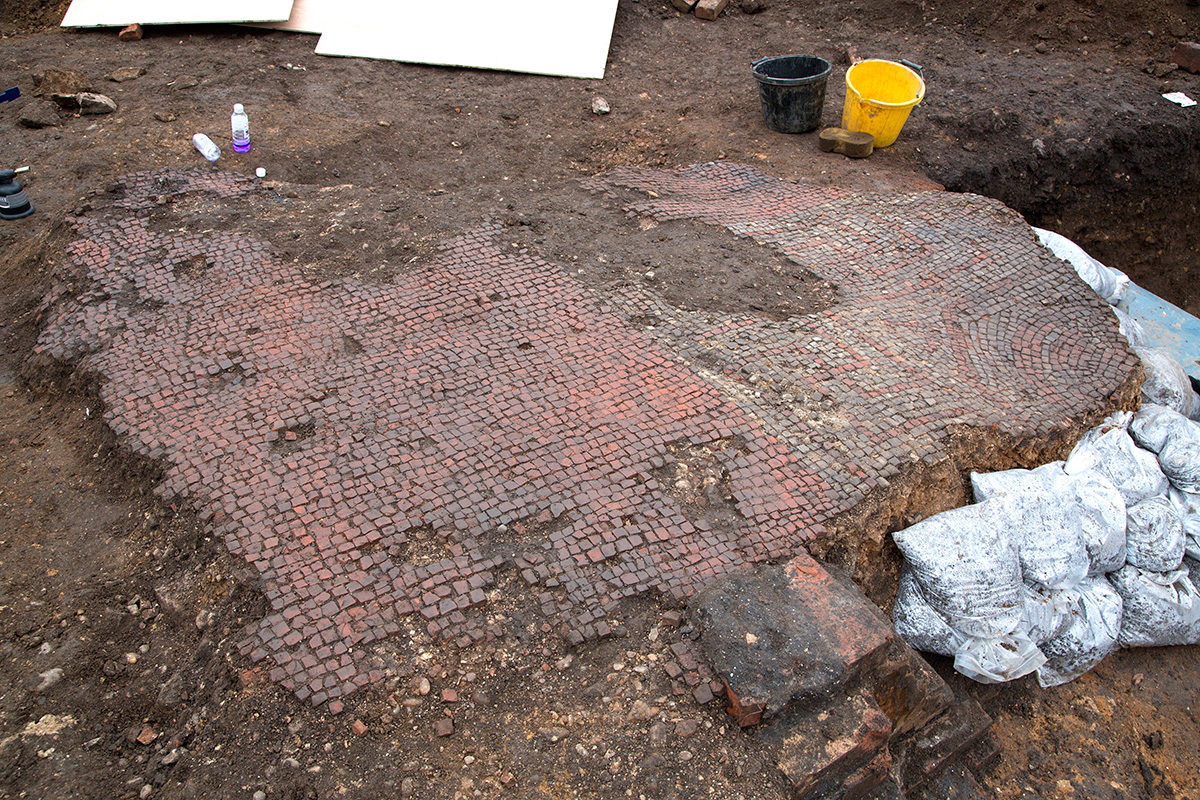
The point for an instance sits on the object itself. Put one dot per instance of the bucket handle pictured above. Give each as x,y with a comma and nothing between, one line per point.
914,67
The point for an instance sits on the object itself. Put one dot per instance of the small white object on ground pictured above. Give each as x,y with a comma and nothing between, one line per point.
260,172
1179,99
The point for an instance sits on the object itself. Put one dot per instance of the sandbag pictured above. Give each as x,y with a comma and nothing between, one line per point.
1047,611
1130,328
1090,498
968,571
1102,519
1166,383
1154,538
1110,451
1161,608
1193,570
918,624
1187,506
985,485
1044,525
1091,632
1109,283
999,660
1180,462
1154,426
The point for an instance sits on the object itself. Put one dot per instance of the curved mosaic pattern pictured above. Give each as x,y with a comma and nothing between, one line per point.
949,312
384,454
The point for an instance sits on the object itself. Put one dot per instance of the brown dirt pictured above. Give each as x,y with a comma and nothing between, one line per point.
1051,106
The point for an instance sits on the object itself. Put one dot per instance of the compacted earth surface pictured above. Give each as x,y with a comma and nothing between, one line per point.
389,474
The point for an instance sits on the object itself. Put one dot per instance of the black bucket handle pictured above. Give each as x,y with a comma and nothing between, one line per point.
914,67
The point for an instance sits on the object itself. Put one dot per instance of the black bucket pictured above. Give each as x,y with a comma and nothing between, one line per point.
792,89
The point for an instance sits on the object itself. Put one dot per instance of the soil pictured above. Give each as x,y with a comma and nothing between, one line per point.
1051,106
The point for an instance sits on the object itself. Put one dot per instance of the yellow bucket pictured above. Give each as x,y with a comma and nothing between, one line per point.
879,95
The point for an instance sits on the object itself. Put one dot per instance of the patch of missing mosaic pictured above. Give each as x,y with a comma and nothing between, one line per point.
695,475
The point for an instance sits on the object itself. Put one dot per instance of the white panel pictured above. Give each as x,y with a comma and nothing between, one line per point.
100,13
550,37
310,16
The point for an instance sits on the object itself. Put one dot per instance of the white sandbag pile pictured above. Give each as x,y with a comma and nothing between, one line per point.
1053,568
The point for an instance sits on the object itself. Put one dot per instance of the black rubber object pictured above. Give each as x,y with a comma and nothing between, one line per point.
13,202
792,89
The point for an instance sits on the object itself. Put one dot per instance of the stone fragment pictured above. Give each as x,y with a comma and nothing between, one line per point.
130,33
86,102
640,711
1187,56
600,106
60,81
49,678
164,116
685,6
146,735
171,692
39,114
444,726
358,727
553,734
710,9
122,74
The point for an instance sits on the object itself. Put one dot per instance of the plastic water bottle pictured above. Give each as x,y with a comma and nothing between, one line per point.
206,146
240,124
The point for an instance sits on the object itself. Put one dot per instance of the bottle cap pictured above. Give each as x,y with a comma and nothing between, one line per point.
237,108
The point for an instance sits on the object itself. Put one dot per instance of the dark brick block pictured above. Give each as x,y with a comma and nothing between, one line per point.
783,635
909,691
842,748
924,754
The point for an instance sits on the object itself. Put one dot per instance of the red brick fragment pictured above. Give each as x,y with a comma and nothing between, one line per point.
1186,56
444,726
358,727
130,33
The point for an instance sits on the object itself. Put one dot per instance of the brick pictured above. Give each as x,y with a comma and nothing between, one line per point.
130,33
1186,56
685,6
710,9
821,752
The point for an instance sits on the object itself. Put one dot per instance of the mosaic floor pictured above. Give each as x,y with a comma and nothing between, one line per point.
383,453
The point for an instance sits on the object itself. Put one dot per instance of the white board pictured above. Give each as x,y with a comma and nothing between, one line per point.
548,37
114,13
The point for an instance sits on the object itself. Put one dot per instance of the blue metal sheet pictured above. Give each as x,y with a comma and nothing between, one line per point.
1168,327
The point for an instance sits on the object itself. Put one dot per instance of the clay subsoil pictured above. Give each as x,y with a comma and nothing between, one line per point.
1051,106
